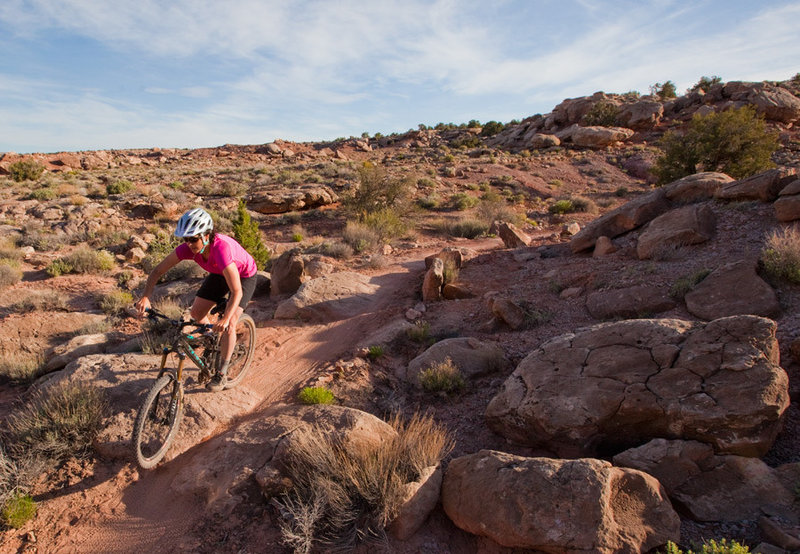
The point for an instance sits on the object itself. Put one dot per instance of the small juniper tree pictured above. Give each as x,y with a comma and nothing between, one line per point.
247,233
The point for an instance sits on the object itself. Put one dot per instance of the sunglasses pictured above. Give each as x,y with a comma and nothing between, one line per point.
191,239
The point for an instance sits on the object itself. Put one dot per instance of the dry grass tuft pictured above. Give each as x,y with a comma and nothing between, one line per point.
346,495
781,255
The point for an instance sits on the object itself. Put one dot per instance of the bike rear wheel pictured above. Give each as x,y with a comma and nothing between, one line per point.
157,421
243,351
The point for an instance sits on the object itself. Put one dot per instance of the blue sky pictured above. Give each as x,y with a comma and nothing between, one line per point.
101,74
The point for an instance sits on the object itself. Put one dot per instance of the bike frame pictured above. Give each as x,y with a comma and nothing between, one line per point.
182,348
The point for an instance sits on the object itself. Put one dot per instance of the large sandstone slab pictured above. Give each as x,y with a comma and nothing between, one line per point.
631,302
676,228
618,385
557,506
732,289
764,186
473,358
627,217
710,487
276,199
700,186
330,298
125,379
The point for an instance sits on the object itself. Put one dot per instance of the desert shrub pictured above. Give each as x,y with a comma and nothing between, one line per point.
345,494
562,206
466,141
115,302
491,128
360,237
9,251
42,194
338,250
463,201
40,300
420,332
82,260
387,223
378,191
119,187
18,510
374,352
10,273
430,202
466,227
710,547
735,142
684,284
247,233
705,83
59,422
25,170
664,91
442,377
603,113
20,366
494,207
316,395
781,255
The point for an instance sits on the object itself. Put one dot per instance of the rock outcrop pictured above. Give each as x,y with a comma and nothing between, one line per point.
557,506
276,199
720,293
617,385
329,298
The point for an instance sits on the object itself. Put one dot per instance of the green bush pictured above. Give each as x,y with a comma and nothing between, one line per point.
19,509
375,352
491,128
360,237
316,395
705,83
603,113
119,187
781,255
710,547
463,201
735,142
465,227
25,170
664,91
247,233
387,223
378,191
442,377
420,332
563,206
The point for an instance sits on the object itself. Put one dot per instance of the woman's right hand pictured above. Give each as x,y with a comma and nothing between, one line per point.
142,305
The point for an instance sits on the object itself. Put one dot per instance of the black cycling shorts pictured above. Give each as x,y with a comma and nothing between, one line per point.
215,287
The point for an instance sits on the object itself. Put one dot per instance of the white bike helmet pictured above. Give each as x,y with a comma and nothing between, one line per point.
193,223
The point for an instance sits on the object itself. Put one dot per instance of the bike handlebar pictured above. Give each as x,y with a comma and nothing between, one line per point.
152,313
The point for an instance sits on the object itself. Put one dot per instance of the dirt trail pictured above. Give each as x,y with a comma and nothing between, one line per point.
120,509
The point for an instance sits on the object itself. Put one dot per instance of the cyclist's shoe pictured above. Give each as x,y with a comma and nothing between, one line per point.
218,382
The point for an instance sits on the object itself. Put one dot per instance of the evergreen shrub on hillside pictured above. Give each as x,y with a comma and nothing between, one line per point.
247,233
735,142
603,114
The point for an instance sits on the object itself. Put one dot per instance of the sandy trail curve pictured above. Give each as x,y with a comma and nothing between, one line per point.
133,511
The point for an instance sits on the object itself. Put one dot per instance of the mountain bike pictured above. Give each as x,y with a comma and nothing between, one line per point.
160,414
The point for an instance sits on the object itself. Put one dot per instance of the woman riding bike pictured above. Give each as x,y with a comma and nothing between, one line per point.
231,269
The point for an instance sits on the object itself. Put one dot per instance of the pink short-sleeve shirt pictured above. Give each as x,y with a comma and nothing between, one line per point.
221,252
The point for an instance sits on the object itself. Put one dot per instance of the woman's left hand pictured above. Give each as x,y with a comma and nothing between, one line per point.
221,326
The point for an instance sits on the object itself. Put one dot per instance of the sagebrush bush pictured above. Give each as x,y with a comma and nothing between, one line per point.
360,237
387,223
781,255
710,547
442,377
463,201
82,260
40,300
316,395
346,494
115,302
20,366
735,142
562,206
466,227
247,233
10,273
59,422
25,170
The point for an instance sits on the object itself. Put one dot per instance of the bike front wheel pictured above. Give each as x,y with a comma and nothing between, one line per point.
157,421
243,351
